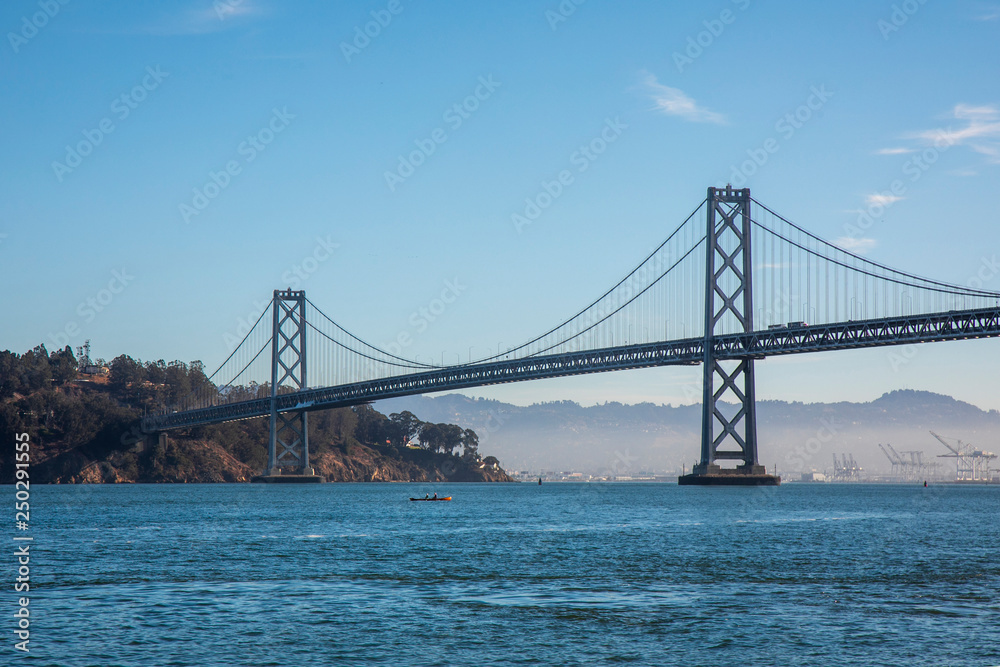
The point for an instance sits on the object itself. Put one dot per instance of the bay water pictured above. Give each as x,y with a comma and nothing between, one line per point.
513,574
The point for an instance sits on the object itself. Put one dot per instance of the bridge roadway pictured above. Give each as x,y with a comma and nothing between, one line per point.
952,325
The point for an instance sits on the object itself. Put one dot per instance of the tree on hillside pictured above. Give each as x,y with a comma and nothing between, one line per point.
63,365
334,427
10,373
403,427
452,437
125,372
177,381
156,371
37,372
247,392
470,445
200,383
431,437
372,425
441,437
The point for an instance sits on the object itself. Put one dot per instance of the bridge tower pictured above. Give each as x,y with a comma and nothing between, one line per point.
288,445
727,435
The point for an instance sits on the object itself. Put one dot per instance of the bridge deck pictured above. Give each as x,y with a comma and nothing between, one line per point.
952,325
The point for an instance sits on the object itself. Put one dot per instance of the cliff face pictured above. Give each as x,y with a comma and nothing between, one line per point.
198,461
182,460
364,464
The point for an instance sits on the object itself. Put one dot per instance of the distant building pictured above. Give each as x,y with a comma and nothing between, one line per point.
91,369
813,477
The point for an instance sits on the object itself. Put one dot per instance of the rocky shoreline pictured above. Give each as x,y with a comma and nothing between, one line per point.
187,460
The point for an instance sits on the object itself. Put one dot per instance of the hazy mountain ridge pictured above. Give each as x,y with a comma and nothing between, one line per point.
618,438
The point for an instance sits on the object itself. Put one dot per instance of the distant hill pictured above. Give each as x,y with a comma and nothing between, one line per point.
617,438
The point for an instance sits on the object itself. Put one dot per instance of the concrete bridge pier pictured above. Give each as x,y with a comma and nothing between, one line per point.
151,440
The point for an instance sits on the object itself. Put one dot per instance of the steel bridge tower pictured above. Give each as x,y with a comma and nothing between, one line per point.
288,445
728,303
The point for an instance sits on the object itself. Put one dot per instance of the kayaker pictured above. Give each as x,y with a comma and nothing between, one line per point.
435,497
427,496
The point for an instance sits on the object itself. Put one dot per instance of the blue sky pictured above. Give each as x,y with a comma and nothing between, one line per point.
235,147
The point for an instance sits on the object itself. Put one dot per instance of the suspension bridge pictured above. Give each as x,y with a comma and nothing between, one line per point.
735,282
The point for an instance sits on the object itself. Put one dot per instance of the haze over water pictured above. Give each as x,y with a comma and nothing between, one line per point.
515,574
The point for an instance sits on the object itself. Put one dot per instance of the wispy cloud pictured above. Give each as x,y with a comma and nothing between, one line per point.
991,13
881,199
220,15
980,131
305,55
225,9
856,245
674,102
894,151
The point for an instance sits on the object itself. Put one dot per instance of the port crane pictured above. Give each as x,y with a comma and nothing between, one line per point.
846,469
894,460
971,465
908,465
